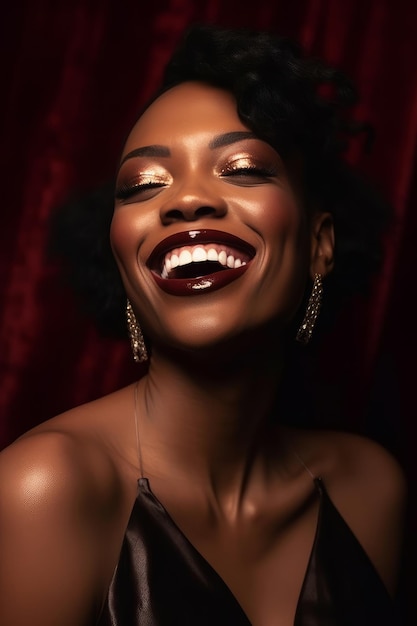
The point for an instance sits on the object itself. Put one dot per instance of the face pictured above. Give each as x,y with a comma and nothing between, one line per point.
209,234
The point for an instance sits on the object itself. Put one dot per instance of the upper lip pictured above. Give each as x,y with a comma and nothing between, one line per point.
193,238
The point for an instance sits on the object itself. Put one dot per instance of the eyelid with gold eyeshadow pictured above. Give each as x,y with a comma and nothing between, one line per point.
140,183
245,164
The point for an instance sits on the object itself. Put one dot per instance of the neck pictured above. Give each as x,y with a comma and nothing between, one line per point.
208,416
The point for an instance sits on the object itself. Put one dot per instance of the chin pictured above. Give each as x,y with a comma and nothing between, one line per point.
211,338
202,334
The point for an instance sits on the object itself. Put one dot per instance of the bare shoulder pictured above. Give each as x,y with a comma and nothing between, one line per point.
72,454
51,466
347,460
65,473
367,467
60,503
368,487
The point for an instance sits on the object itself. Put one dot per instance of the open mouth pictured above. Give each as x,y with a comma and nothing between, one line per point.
195,261
200,260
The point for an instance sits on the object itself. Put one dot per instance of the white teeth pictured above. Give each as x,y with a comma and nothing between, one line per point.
185,258
199,254
212,255
223,257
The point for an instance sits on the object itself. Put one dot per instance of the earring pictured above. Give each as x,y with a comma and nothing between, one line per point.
137,342
313,308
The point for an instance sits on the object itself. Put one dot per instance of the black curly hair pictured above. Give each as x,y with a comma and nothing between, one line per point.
299,105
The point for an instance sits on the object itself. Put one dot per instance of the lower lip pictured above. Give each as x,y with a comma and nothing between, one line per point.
198,286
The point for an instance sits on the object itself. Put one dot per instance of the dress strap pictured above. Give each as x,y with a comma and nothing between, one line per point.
136,415
300,460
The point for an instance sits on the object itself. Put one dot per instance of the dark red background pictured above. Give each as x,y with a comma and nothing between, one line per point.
74,75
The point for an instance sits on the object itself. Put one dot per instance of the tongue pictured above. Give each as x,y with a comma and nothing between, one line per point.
196,270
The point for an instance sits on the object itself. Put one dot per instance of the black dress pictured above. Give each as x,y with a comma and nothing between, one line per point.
162,580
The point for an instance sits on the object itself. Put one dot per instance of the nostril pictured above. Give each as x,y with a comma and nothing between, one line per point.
205,210
174,214
189,214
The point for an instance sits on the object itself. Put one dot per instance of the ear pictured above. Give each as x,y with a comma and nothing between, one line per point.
322,244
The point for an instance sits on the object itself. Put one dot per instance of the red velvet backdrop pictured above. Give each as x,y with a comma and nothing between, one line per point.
75,74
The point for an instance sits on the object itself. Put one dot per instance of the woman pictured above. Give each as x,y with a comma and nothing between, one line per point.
184,499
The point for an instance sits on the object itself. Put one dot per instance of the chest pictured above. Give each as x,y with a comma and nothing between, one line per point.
310,571
253,570
263,565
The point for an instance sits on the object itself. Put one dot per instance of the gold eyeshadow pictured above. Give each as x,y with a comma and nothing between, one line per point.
148,176
244,163
237,163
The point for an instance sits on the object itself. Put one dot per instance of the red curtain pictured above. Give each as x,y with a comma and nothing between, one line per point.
74,77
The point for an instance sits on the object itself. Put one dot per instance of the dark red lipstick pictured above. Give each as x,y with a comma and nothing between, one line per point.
194,278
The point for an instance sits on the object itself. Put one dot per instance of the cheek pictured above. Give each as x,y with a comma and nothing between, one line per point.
282,224
124,244
276,214
287,223
126,231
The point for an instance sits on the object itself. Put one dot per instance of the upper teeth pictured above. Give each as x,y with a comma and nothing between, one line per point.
197,254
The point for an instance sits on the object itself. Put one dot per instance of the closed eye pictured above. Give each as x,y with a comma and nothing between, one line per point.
248,175
138,191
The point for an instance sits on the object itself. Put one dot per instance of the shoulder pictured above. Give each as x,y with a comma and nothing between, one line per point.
68,471
76,452
362,466
51,466
57,495
368,487
352,461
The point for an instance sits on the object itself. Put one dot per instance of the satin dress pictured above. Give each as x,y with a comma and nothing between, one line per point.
162,580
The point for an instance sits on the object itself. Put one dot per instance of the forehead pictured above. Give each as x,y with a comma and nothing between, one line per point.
187,109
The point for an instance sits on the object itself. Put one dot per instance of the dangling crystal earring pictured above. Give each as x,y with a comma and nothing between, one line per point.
137,342
313,308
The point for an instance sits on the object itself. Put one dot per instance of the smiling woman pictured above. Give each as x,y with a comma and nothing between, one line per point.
184,499
211,173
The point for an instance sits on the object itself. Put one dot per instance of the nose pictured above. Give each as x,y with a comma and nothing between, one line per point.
190,204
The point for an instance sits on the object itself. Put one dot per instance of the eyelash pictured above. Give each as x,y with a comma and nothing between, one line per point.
249,171
126,191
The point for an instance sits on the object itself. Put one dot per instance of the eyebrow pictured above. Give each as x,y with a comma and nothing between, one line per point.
228,138
163,151
150,151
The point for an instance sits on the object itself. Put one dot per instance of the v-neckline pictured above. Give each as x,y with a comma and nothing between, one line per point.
144,485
